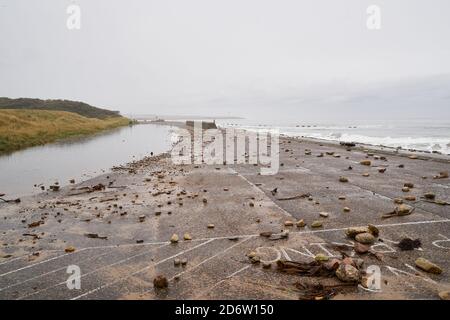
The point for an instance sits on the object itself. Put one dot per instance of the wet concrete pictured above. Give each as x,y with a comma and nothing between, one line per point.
142,206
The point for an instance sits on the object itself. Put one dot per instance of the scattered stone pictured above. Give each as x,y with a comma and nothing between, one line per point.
382,170
300,223
429,196
360,248
353,231
342,198
288,223
405,189
321,257
428,266
343,179
413,157
366,162
410,198
373,230
184,261
408,244
266,265
72,181
95,236
401,165
365,238
444,295
70,249
160,282
398,201
441,175
211,226
316,224
347,209
139,241
254,257
366,174
187,237
347,273
205,200
141,218
176,262
324,214
174,238
409,185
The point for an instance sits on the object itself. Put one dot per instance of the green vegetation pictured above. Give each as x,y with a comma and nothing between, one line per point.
25,128
81,108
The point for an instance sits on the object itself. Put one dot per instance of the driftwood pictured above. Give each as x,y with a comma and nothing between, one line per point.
300,196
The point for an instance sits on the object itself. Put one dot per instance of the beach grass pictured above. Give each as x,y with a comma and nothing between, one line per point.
26,128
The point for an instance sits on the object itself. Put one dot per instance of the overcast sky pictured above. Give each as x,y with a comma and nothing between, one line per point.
253,58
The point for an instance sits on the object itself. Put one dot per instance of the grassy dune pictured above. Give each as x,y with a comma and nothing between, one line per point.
25,128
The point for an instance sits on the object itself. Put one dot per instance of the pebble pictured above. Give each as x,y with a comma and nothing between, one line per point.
184,261
176,262
410,198
267,265
366,162
288,223
373,230
70,249
160,282
324,214
343,179
342,198
300,223
347,273
405,189
346,209
409,185
444,295
353,231
187,236
398,201
211,226
429,196
174,238
321,257
141,218
360,248
316,224
428,266
366,174
403,210
365,238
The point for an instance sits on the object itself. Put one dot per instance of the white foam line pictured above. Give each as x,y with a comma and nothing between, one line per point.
93,271
139,271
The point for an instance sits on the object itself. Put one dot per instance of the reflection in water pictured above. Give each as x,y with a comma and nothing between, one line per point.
79,158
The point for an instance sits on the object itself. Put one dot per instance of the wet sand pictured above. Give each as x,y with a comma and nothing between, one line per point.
144,204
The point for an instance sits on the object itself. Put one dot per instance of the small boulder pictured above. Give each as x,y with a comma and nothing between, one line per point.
365,238
428,266
347,273
160,282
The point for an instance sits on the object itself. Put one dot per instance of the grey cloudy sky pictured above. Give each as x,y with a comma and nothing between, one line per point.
251,58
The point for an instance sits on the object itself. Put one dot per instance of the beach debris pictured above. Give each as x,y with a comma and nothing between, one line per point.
254,257
278,236
360,248
288,223
174,238
160,282
95,236
365,238
407,244
441,175
11,201
70,249
366,162
316,224
324,214
428,266
401,210
321,257
187,237
343,179
429,196
300,196
300,223
347,273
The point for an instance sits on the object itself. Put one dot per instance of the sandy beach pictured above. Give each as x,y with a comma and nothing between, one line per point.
233,227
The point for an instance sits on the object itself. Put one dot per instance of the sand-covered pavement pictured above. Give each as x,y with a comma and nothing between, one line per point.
119,233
